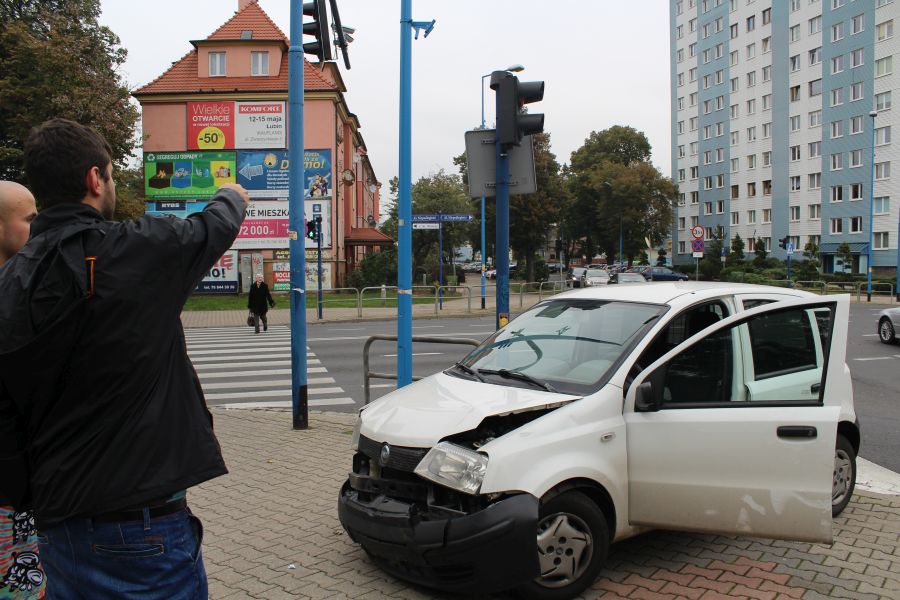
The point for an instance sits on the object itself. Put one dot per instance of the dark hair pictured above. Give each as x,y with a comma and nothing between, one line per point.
58,155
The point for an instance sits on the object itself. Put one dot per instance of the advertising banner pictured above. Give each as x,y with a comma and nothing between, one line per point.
223,277
260,125
317,164
186,175
264,174
210,125
282,279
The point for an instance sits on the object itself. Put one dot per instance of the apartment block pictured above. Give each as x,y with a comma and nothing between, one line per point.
782,125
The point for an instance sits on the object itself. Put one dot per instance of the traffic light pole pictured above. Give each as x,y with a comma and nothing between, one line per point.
404,207
440,261
296,222
501,254
319,248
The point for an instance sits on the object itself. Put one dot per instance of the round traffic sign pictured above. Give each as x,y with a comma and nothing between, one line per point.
697,245
697,231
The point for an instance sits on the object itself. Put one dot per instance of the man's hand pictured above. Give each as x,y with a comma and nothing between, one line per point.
240,190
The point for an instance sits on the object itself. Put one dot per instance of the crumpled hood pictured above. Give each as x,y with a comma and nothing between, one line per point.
423,413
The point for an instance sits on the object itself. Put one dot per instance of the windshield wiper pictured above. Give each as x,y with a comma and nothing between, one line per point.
469,371
520,376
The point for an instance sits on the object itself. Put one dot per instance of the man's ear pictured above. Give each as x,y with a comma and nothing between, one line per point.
93,181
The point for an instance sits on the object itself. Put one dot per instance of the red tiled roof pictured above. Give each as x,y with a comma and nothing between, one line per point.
182,77
252,18
366,235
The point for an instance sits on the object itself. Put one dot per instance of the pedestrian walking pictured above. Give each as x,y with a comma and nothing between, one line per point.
259,301
103,424
21,574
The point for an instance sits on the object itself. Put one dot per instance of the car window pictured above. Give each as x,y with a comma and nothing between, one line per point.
754,302
773,357
681,327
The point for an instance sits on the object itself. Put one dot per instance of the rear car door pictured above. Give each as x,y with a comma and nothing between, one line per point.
713,447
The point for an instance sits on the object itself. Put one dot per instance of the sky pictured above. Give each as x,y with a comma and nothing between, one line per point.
604,63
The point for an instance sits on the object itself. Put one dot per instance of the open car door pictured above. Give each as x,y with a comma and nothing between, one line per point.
733,431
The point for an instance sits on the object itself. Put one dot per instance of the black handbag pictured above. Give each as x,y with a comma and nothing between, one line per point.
251,321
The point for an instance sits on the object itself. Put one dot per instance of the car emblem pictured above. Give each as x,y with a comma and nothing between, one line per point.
384,456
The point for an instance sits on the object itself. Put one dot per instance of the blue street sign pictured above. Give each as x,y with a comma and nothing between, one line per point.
440,218
424,218
456,217
790,248
697,245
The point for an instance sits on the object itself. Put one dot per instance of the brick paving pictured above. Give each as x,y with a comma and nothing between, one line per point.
272,532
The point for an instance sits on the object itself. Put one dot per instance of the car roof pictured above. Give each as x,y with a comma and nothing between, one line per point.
678,292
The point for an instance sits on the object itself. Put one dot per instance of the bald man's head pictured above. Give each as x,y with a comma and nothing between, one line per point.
17,210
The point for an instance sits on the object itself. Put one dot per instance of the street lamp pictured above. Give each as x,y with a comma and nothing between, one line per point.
512,69
872,114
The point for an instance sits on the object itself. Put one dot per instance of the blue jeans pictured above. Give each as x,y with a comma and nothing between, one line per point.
157,558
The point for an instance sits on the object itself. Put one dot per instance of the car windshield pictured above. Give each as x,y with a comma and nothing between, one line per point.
569,344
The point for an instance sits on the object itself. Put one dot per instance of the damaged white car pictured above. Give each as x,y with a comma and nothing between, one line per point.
599,414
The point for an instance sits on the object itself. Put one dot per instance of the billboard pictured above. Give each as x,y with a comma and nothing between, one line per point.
260,125
210,125
317,164
186,175
264,174
222,278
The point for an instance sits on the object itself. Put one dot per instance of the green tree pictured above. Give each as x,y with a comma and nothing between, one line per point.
759,249
623,145
661,257
56,60
736,255
711,263
808,269
844,255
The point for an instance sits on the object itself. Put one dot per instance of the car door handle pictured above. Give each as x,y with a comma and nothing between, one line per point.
797,431
814,388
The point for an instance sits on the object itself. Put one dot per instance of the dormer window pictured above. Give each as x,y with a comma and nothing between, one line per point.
259,63
217,64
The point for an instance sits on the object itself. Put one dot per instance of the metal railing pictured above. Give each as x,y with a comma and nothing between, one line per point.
393,338
348,291
875,288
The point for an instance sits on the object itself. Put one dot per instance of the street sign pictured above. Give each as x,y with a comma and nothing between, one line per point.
481,162
440,217
455,218
697,232
698,246
790,249
421,218
426,225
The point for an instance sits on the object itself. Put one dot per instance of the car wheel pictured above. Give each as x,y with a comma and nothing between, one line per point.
886,331
572,542
844,479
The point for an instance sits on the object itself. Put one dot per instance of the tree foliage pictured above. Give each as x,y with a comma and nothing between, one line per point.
736,255
56,60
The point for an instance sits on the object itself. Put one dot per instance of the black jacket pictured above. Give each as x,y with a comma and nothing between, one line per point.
100,407
259,299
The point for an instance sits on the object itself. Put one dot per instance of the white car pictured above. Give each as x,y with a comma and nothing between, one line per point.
888,325
599,414
594,277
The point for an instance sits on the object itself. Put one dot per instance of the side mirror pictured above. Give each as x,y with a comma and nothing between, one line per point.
644,399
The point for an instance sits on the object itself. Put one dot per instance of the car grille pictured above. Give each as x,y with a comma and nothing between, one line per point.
401,459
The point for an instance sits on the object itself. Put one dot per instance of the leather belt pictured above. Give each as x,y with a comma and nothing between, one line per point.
137,514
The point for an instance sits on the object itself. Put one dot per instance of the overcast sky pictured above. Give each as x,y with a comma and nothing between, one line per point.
604,63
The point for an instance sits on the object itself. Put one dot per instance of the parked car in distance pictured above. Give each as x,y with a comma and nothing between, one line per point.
594,277
555,267
664,274
599,414
889,325
575,276
492,273
627,278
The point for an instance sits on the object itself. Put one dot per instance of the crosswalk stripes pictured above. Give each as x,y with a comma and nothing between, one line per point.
241,368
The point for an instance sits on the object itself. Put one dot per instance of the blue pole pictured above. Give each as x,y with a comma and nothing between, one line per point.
440,261
296,220
483,249
404,210
789,270
872,114
501,254
319,248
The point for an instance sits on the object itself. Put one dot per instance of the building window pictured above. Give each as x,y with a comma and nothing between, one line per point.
751,161
720,207
815,56
882,101
882,135
855,224
815,25
815,118
837,31
815,212
795,152
751,22
707,182
751,218
880,240
856,125
884,66
681,248
767,158
837,226
695,172
857,58
751,189
767,130
815,87
883,170
837,96
795,183
751,78
217,64
681,222
882,205
856,191
837,129
795,123
707,208
814,181
815,149
767,102
856,91
837,193
767,187
855,158
751,51
815,240
735,218
259,63
751,106
735,191
751,243
795,33
735,165
767,45
767,215
857,24
695,199
795,213
837,161
767,73
795,63
751,134
795,93
837,64
884,30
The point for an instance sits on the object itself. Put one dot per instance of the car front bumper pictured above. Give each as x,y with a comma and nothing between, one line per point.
486,551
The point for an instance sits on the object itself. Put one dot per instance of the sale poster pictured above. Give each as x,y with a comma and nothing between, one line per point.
260,125
210,125
187,175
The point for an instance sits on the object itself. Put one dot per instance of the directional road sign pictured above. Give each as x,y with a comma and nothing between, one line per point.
426,225
697,232
442,218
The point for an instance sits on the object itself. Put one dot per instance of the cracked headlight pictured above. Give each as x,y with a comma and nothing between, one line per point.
354,440
454,467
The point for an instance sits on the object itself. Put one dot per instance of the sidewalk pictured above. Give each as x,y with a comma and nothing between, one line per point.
272,533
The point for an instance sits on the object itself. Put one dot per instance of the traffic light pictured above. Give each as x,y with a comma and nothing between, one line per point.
512,95
317,28
783,242
311,231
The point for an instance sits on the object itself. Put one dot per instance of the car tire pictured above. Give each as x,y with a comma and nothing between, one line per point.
844,477
886,331
572,544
